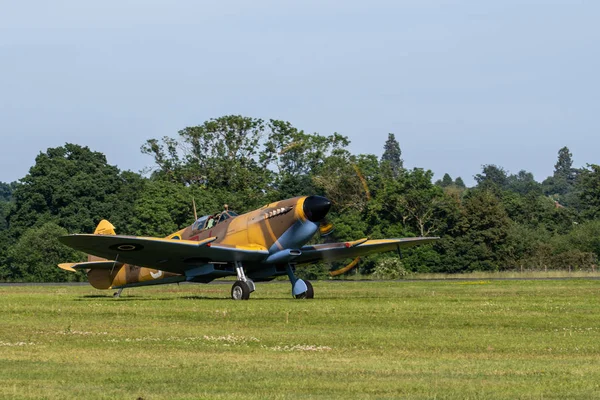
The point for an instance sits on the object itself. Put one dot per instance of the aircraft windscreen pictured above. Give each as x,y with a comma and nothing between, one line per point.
199,224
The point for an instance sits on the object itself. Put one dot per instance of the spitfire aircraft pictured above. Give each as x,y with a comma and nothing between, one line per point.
257,246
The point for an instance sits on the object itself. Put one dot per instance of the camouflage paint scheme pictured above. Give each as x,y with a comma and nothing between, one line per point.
266,241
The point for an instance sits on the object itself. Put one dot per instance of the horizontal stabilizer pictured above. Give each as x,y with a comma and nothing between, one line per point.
108,265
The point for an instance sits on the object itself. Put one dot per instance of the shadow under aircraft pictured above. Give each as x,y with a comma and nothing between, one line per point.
257,246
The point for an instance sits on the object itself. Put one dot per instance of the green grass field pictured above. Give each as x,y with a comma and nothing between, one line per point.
434,340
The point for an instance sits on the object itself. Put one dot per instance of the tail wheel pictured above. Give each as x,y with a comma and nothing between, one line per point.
309,294
240,291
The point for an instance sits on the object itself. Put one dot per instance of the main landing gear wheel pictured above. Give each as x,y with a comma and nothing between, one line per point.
309,294
240,291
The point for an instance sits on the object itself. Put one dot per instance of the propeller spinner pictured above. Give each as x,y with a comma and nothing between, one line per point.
316,208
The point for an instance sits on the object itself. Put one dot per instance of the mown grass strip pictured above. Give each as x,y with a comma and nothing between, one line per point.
494,339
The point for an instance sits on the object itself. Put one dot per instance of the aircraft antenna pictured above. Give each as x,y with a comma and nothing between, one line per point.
195,213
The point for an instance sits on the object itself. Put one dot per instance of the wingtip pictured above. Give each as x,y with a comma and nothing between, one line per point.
67,266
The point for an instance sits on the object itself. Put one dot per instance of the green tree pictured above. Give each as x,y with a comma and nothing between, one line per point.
221,153
297,156
35,256
164,207
71,186
166,157
564,166
342,182
460,183
562,182
446,180
538,211
584,237
420,202
492,177
479,235
523,183
391,157
6,190
589,191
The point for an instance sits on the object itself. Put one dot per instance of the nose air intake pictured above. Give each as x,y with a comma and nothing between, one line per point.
316,207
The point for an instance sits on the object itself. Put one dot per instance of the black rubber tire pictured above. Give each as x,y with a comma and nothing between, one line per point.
309,294
240,291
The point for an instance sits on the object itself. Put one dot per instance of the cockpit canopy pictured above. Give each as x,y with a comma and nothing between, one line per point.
200,222
208,221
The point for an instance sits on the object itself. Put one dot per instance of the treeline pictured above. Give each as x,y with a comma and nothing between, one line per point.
506,221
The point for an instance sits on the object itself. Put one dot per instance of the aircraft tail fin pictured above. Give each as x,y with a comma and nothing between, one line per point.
100,271
103,228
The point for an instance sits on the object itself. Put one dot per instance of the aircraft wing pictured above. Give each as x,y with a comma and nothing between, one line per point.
337,251
169,255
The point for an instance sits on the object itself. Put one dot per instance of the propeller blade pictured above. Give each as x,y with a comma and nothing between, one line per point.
325,228
345,269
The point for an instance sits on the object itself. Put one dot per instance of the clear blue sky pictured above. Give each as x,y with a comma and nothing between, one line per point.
460,83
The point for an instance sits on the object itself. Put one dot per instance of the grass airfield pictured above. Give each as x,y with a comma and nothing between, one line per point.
417,339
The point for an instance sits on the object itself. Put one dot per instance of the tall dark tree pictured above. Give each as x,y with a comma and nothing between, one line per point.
562,181
446,180
564,165
459,182
391,157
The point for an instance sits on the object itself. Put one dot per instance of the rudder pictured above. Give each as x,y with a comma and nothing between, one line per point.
103,228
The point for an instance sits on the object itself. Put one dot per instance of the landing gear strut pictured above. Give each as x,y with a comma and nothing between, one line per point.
301,289
242,288
117,294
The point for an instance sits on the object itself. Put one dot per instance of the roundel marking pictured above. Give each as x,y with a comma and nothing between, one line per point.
126,247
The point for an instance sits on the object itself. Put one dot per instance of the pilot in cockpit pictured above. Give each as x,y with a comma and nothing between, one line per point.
210,221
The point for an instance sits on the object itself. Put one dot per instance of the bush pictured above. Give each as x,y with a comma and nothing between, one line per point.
389,268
